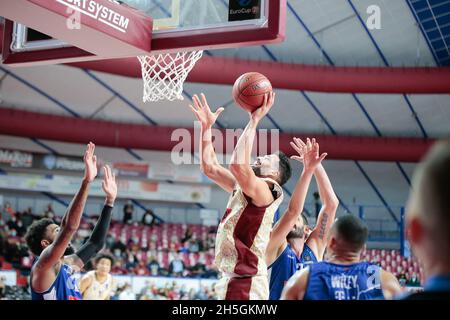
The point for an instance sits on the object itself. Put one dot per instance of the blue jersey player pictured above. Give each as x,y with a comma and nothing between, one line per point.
52,275
343,276
292,245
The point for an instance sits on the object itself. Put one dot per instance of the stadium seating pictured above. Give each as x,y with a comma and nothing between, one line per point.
394,262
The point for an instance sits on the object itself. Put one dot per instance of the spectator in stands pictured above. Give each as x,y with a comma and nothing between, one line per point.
204,242
131,262
12,224
21,230
211,239
12,248
414,281
184,248
8,209
128,210
134,241
153,266
27,218
174,247
187,235
49,212
402,279
428,220
118,268
199,269
109,242
174,238
150,219
194,244
118,248
211,272
141,269
176,266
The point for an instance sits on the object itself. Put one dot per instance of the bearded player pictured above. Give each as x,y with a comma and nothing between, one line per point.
291,247
255,194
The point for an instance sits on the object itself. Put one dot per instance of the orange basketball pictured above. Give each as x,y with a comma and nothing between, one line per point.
249,90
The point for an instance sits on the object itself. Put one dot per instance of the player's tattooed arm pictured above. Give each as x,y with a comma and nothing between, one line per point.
317,241
310,157
323,226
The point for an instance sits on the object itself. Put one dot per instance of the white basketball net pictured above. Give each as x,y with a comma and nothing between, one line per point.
164,74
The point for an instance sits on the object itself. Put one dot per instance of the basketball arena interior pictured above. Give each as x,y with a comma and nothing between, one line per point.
367,79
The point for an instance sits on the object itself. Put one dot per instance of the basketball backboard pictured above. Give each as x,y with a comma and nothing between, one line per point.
178,25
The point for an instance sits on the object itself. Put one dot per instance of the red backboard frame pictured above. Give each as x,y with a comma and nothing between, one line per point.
179,41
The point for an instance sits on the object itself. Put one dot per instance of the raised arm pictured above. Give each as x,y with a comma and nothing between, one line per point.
254,187
96,241
390,285
295,288
71,220
317,240
209,164
309,156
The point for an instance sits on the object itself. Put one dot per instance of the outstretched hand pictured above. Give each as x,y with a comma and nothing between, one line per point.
258,114
90,163
308,153
109,185
203,113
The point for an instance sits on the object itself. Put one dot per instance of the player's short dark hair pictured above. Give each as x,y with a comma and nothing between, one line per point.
35,234
285,168
352,230
101,256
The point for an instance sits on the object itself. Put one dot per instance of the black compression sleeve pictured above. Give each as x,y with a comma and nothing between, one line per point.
97,239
